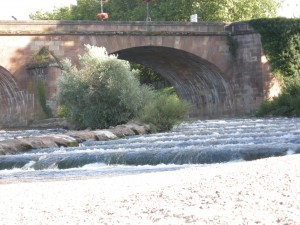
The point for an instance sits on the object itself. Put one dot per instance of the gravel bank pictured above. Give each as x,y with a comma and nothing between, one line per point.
265,191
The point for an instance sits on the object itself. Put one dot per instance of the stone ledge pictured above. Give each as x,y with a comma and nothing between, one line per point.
119,33
70,138
107,23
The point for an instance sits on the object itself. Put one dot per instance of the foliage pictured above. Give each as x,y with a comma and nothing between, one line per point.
235,10
281,44
180,10
83,10
43,58
291,56
62,112
126,10
149,77
286,104
103,92
164,111
167,10
63,13
42,99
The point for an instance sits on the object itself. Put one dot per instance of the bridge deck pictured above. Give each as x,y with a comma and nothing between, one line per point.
113,28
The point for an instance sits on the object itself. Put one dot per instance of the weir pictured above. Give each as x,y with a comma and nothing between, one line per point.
189,144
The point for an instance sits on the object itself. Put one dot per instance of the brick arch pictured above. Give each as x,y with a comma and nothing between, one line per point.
234,85
194,78
12,100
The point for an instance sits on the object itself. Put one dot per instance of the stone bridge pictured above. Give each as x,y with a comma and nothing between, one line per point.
220,68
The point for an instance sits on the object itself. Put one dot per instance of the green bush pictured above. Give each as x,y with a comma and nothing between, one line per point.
103,92
281,44
62,112
286,104
291,55
164,111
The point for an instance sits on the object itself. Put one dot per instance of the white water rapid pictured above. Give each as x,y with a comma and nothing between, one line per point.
198,143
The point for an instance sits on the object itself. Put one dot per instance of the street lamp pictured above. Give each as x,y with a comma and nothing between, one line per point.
102,15
148,19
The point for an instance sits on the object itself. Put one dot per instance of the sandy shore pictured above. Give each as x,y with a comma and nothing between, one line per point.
265,191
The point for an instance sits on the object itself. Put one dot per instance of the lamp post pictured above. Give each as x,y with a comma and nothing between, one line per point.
148,19
101,4
102,15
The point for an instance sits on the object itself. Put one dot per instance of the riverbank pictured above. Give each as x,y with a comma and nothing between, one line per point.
264,191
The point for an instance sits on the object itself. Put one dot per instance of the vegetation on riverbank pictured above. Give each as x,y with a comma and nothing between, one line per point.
281,44
280,36
165,110
105,92
286,104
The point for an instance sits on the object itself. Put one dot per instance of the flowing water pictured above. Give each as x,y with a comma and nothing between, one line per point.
198,143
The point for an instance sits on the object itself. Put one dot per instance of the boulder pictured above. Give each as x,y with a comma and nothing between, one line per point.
104,135
13,146
38,142
70,138
122,131
63,140
139,129
82,136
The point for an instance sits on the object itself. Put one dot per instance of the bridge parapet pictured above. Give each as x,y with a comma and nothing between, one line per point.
100,27
239,28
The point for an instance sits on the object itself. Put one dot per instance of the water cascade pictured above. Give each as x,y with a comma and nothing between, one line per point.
190,144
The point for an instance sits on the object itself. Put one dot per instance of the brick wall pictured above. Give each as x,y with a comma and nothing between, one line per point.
194,57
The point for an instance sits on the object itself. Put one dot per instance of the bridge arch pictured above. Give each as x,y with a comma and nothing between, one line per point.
12,101
194,57
194,78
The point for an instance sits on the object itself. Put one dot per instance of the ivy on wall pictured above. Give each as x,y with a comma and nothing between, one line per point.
43,58
42,99
233,46
281,43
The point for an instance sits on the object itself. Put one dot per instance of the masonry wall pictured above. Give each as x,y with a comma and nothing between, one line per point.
245,79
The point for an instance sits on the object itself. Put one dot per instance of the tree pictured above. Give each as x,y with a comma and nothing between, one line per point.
133,10
63,13
149,77
281,44
167,10
235,10
103,92
83,10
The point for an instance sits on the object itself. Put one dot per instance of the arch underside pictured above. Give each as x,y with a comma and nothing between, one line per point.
12,101
194,79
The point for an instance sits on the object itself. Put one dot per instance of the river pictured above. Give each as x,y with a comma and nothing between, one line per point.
190,144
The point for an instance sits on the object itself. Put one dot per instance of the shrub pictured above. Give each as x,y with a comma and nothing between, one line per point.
103,92
291,55
164,111
281,44
286,104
